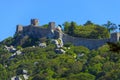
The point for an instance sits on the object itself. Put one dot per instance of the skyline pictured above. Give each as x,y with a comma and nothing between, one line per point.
21,11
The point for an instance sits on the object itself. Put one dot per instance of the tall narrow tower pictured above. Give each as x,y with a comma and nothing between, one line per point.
51,28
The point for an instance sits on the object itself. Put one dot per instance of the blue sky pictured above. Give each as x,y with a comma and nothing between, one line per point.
13,12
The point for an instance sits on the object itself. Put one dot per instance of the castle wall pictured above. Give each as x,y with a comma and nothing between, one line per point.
89,43
35,32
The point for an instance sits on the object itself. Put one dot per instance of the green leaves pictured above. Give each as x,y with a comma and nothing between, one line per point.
110,26
88,30
81,76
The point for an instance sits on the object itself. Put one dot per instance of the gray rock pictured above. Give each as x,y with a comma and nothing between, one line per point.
54,41
16,78
59,43
25,71
80,55
10,49
59,51
35,63
18,52
26,77
42,45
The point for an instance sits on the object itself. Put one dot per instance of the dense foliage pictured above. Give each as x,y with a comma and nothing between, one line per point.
78,63
88,30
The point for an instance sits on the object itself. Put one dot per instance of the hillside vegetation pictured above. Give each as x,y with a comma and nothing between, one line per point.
77,63
88,30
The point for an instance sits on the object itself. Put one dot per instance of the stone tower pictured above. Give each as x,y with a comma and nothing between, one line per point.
51,26
115,37
34,22
19,28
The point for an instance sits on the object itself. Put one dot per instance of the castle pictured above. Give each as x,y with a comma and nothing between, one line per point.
52,32
37,31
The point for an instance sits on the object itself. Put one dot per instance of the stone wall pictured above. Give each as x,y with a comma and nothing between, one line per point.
89,43
35,32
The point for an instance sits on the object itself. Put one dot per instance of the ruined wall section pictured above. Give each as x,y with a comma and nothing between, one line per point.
89,43
27,32
35,32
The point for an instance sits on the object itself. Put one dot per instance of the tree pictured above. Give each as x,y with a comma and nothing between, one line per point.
110,26
81,76
72,28
101,32
115,47
38,77
66,26
8,41
45,26
88,23
112,75
3,75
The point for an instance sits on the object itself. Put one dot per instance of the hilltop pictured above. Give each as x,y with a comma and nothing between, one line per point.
49,53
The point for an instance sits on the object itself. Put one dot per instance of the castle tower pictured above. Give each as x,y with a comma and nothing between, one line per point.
51,26
34,22
115,37
19,28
